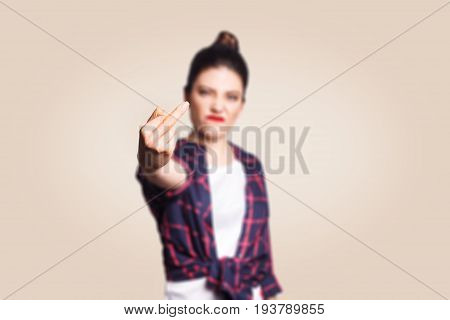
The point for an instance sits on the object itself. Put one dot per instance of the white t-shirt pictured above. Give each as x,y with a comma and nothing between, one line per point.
227,184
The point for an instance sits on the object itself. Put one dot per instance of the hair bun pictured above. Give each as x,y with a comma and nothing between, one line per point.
227,39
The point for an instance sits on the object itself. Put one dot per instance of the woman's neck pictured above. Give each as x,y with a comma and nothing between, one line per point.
219,152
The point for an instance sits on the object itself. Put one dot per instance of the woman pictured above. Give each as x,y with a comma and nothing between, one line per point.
208,195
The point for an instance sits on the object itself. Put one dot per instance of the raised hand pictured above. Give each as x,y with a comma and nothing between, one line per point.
157,138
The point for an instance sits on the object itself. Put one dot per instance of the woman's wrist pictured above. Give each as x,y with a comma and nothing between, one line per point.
149,172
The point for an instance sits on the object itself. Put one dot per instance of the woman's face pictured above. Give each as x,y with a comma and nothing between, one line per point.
216,100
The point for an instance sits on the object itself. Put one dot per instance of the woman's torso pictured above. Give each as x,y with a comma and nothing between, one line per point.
227,185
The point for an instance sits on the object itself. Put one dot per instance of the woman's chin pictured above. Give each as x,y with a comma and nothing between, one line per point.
212,133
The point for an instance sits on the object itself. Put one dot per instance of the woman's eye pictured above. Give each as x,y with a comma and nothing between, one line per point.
234,98
203,92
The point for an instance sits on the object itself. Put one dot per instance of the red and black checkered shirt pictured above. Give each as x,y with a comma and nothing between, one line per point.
184,222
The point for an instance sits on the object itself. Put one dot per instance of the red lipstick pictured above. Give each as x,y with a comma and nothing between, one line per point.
215,118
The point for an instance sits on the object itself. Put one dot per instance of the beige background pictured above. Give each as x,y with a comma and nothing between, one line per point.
377,150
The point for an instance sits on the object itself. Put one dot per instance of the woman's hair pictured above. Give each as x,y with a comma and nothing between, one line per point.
224,51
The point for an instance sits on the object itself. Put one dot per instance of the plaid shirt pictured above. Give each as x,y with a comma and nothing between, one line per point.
183,216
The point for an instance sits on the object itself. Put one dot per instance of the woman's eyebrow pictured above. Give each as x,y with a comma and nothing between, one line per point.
209,88
202,86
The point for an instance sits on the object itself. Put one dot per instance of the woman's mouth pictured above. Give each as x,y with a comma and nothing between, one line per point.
215,118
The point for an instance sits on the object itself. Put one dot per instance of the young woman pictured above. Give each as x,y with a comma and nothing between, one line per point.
208,195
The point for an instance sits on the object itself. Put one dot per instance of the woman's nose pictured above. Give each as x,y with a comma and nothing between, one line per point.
217,105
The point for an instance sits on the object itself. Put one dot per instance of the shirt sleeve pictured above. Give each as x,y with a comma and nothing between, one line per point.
157,197
269,283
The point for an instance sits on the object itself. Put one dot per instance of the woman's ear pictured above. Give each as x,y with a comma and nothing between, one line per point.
243,103
186,95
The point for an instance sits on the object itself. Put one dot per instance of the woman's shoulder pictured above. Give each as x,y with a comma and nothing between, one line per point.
249,159
184,144
189,151
243,153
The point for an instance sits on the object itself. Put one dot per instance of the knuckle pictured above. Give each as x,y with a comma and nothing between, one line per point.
162,146
143,130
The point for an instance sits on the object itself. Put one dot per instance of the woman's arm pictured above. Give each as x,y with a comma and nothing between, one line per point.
156,146
170,176
270,285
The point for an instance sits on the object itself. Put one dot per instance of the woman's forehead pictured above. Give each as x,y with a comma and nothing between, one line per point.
220,79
